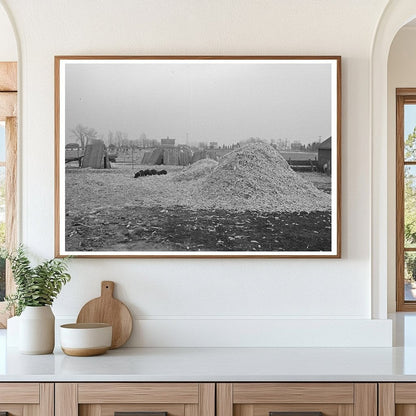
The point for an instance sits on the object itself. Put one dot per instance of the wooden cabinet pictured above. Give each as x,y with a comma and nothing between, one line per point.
397,399
27,399
222,399
264,399
107,399
208,399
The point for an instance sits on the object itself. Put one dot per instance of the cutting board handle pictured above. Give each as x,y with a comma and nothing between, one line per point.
107,289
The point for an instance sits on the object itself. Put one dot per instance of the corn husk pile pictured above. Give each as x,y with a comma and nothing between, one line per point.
197,170
257,177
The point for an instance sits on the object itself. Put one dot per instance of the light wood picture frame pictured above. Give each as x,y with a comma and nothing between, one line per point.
198,156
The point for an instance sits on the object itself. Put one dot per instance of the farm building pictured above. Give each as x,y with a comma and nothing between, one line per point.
213,145
324,155
202,154
180,156
73,152
167,142
96,155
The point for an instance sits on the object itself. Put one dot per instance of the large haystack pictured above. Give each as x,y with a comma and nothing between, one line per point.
257,177
197,170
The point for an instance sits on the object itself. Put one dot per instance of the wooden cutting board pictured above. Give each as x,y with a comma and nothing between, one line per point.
108,310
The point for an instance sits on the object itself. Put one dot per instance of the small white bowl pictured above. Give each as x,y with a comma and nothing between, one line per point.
83,340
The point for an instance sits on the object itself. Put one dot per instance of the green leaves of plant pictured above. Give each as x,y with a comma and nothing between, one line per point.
36,286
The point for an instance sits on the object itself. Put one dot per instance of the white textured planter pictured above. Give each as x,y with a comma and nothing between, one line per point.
37,330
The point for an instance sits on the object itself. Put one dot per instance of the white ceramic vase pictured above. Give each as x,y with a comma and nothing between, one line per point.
37,330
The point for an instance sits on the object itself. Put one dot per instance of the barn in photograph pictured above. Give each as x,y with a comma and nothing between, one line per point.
324,155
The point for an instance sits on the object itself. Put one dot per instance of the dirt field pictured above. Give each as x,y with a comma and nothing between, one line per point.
110,210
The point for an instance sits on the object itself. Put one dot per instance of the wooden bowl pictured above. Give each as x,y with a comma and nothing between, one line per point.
84,340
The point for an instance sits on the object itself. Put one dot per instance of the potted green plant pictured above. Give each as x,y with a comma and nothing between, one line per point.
36,289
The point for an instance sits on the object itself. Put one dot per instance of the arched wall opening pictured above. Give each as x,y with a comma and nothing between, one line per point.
401,73
396,15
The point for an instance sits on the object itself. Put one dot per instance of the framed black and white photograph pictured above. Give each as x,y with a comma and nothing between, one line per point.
198,156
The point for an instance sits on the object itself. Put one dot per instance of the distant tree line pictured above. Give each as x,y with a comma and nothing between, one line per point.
117,139
121,141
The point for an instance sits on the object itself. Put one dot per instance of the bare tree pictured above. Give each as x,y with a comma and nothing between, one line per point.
110,137
126,140
118,138
84,134
142,139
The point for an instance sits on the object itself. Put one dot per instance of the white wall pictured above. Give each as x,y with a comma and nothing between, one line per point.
8,47
201,299
401,74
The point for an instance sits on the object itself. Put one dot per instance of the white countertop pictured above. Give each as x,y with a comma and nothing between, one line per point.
221,364
215,364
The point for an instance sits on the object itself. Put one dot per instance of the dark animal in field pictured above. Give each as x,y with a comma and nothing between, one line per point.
139,173
149,172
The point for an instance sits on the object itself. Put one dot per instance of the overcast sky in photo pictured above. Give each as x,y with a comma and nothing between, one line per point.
224,102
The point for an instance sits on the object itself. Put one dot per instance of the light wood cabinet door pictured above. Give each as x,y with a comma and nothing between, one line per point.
397,399
142,399
297,399
27,399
